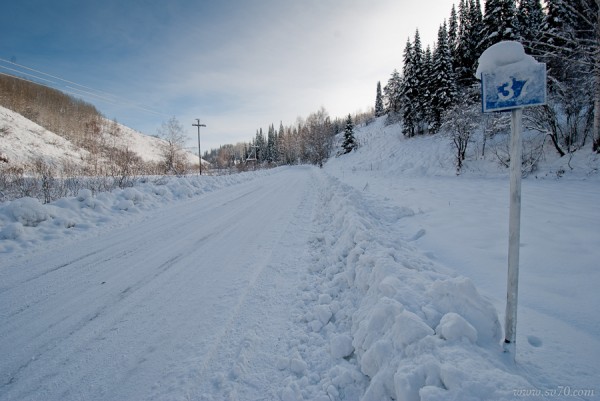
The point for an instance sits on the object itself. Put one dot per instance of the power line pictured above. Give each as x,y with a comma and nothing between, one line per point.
51,76
89,93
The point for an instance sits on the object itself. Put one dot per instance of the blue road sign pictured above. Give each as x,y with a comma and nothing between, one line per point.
509,88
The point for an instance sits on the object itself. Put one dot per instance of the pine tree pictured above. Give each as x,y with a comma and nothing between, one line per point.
408,93
530,21
270,157
392,93
468,49
453,34
281,145
443,82
499,22
379,111
412,88
427,90
261,143
349,142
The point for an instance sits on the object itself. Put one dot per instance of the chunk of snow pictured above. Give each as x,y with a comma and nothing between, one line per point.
84,194
341,346
503,54
454,327
12,231
459,295
125,204
298,366
323,313
28,211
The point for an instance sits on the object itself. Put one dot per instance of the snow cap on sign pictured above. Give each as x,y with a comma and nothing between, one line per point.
502,54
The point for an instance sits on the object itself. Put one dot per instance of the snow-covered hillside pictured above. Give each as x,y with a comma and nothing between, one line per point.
23,142
379,277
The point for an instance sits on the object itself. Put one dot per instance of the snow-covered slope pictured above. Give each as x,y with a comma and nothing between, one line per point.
148,147
23,142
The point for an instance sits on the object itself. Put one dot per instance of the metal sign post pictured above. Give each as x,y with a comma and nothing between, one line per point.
509,88
514,232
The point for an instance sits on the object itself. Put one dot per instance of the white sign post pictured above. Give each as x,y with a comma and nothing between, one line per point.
511,80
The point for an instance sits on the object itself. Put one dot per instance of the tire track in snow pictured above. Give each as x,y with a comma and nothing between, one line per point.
118,326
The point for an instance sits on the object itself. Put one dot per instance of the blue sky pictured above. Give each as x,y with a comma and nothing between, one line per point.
237,65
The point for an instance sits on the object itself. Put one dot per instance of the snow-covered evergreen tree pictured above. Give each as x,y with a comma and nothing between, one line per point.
271,145
530,21
408,93
412,88
453,34
393,94
427,114
261,144
499,22
349,143
379,110
443,81
467,47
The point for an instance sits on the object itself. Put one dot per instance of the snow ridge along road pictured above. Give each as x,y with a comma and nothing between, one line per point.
145,311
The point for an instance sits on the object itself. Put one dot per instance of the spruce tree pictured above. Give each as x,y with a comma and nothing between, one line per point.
530,21
443,82
499,22
379,111
453,35
468,50
408,93
413,88
427,90
349,142
392,93
261,143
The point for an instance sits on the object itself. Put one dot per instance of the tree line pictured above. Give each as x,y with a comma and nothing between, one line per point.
309,141
437,89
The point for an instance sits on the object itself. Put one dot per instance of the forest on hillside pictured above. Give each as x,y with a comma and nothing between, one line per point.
437,90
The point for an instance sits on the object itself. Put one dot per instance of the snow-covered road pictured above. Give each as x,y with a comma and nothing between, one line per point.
292,284
144,312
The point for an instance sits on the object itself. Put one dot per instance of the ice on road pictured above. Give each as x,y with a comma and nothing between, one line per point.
142,312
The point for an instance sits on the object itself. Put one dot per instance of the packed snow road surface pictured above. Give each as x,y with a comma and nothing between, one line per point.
141,312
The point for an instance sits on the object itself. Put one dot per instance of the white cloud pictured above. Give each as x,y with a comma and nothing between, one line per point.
241,68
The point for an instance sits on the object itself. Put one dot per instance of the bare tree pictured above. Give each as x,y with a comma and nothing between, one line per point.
459,123
172,133
319,138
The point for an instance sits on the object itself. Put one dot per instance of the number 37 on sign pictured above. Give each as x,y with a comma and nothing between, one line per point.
510,88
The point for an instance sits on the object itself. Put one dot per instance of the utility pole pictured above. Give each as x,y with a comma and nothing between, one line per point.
199,151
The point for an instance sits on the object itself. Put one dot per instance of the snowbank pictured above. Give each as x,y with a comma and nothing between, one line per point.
387,312
460,223
25,222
